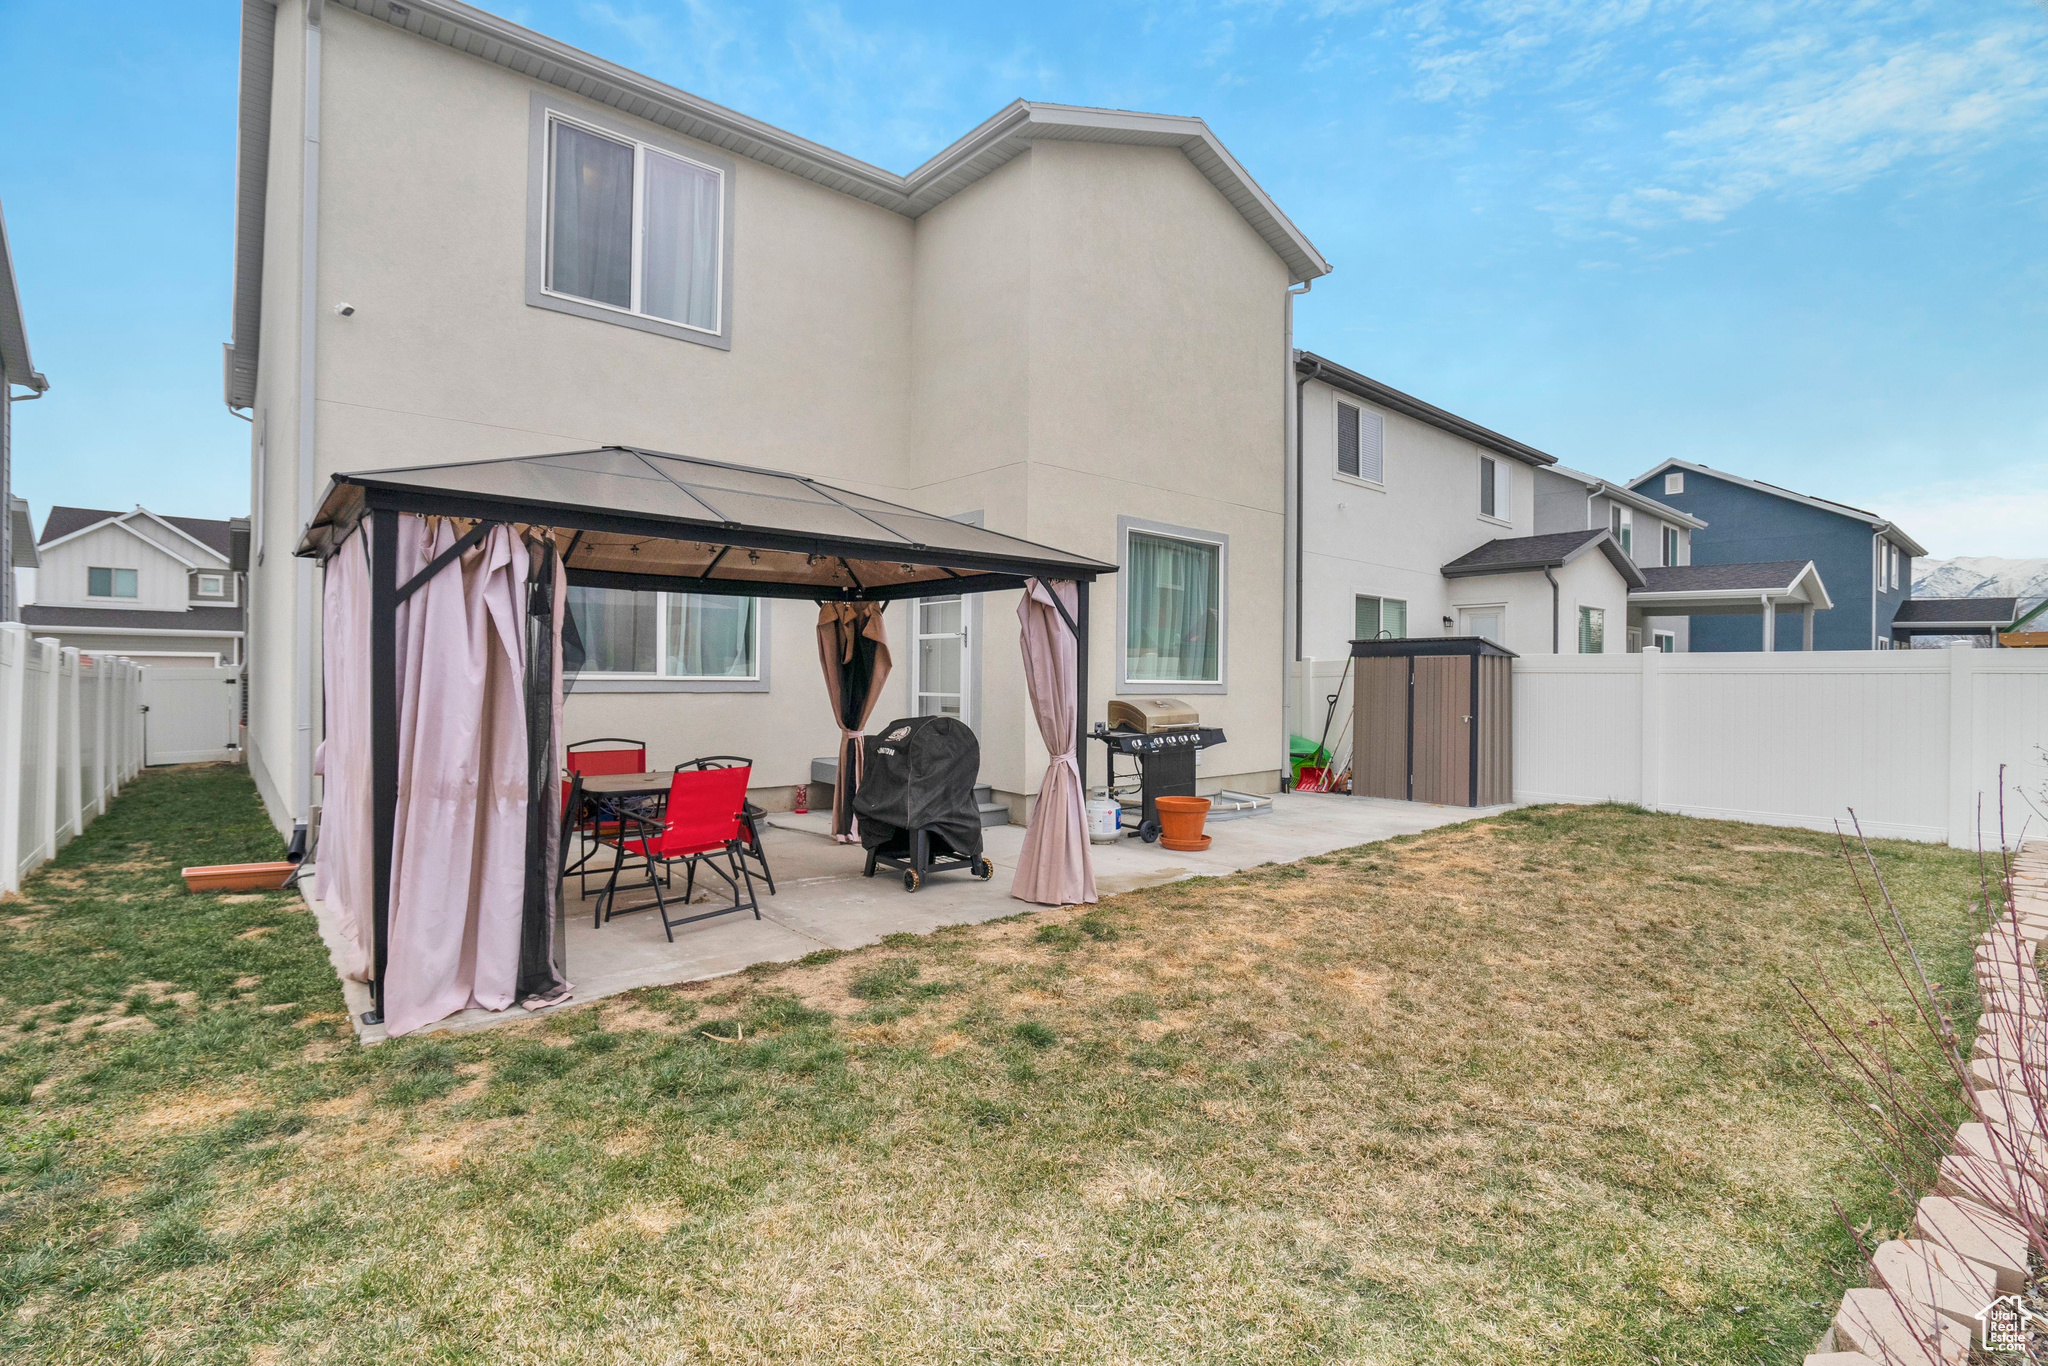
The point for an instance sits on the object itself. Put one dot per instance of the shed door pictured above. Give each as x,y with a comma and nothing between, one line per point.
1379,764
1443,729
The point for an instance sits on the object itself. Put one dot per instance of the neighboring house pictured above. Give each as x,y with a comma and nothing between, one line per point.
1652,534
159,590
1864,559
17,370
1071,326
22,557
1562,593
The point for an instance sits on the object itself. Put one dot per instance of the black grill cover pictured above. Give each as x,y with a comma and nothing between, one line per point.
921,772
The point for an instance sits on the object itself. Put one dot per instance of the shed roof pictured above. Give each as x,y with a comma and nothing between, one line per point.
1957,612
1529,554
624,517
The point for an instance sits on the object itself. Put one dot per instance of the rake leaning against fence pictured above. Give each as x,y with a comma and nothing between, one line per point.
70,735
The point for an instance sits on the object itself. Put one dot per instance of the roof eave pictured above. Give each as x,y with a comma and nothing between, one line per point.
16,365
1337,376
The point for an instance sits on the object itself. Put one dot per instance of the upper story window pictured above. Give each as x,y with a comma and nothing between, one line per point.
110,583
1623,525
1674,482
1173,609
666,635
627,227
632,227
1361,444
210,585
1493,489
1670,545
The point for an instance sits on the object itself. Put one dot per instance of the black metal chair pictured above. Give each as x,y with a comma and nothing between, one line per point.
751,819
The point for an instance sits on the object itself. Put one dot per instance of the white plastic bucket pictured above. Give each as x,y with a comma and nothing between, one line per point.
1105,820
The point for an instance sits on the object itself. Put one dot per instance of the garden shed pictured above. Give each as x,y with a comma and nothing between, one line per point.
1433,720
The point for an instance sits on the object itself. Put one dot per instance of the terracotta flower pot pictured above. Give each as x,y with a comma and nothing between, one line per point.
1180,823
238,877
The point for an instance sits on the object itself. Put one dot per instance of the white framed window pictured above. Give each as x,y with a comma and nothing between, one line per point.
1667,641
1635,640
1494,489
1623,525
1488,622
633,227
1592,630
1674,481
687,636
1361,444
1379,618
212,586
110,583
628,226
1173,608
1670,546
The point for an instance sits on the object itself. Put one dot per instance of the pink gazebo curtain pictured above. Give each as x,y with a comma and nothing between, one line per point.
853,650
344,857
1055,868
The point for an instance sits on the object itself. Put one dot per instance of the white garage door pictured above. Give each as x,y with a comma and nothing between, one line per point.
191,716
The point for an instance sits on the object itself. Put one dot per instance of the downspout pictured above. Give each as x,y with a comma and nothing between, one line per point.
1300,487
1553,593
309,263
1876,578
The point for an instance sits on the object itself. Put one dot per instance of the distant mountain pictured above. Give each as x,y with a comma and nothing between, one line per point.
1981,576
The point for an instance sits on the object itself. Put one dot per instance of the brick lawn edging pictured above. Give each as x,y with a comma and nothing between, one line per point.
1969,1244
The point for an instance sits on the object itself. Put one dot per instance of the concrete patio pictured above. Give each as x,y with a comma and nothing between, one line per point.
823,902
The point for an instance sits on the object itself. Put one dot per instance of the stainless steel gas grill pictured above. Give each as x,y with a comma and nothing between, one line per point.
1163,734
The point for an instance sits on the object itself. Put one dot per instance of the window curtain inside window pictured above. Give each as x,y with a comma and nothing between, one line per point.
616,628
710,637
679,255
1592,631
1174,612
590,221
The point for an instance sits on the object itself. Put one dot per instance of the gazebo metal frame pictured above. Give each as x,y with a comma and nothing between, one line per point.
795,537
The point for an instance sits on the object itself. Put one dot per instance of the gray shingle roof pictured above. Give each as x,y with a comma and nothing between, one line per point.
1710,578
62,521
1522,552
197,619
1952,611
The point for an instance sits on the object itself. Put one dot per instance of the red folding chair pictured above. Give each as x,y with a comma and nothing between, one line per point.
703,824
752,819
589,759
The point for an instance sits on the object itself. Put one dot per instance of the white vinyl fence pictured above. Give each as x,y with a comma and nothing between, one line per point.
1912,740
70,735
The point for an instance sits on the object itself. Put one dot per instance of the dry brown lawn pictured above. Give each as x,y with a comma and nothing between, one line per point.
1526,1089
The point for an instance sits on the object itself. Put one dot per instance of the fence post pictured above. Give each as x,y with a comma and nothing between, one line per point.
1962,747
117,726
46,774
1652,750
13,679
70,793
98,722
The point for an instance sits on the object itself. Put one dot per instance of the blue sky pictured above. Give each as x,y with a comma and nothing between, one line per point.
1804,240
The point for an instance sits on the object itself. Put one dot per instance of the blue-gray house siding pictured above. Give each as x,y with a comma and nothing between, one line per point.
1746,524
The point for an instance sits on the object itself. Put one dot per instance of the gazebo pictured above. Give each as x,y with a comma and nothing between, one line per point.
405,671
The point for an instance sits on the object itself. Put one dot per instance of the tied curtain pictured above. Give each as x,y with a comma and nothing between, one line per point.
1055,868
853,648
344,857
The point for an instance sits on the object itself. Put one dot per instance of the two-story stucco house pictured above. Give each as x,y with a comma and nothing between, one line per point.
159,590
1418,522
1654,535
457,238
1865,560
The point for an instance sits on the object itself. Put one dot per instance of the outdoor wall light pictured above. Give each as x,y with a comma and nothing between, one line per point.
345,310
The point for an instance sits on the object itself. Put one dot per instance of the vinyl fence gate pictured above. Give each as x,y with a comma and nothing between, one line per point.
191,716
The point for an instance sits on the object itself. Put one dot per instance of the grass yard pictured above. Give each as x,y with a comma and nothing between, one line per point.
1523,1090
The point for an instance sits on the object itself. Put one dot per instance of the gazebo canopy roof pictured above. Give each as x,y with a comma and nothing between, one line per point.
623,517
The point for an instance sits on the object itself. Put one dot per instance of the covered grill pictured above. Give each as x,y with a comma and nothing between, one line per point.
916,799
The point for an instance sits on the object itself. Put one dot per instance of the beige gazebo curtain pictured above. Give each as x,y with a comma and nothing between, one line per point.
1055,868
853,649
